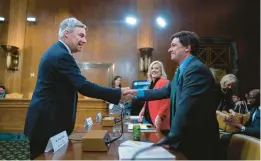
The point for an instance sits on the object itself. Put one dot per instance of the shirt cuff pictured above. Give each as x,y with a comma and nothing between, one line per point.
243,128
140,93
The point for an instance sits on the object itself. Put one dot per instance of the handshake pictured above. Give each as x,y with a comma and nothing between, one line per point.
127,94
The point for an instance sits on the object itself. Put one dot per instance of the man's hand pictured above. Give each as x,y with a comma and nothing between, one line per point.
233,122
125,97
127,94
132,92
164,143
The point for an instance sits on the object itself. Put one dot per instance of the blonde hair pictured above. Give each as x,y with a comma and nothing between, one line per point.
228,79
163,73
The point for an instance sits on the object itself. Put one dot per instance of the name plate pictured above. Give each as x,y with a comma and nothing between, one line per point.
98,117
56,142
88,122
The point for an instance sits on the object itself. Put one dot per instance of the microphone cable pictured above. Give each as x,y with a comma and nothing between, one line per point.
150,147
113,140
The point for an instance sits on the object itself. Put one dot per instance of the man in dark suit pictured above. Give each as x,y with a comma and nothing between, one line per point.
252,126
194,127
54,101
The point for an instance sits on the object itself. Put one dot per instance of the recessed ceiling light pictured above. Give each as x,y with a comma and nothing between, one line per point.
131,20
2,19
31,19
161,22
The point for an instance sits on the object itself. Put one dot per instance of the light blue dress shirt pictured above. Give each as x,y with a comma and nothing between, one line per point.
182,67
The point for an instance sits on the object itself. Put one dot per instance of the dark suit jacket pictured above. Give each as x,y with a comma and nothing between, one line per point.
54,101
225,99
194,128
253,126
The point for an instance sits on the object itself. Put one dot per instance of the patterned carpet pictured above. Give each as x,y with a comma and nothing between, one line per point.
14,147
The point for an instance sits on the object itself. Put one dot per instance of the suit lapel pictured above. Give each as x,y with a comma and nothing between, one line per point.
185,70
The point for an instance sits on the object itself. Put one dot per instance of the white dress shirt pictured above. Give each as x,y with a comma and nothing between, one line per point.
69,50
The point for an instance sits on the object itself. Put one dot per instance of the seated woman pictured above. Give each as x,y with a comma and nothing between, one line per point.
227,84
116,109
2,92
157,112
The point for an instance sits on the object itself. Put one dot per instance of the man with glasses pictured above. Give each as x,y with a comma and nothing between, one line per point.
252,127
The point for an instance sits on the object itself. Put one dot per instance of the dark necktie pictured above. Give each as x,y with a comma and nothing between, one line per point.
173,93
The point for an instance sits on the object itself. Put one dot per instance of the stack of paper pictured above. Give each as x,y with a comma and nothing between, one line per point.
134,117
142,126
129,148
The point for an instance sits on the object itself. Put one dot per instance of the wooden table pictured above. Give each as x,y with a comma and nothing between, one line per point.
73,150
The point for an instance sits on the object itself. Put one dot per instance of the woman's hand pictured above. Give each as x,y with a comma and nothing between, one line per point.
140,118
158,122
226,118
232,112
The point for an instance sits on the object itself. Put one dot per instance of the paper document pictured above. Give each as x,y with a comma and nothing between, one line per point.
142,126
131,143
129,148
134,117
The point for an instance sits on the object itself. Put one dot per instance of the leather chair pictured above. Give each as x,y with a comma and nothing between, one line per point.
243,147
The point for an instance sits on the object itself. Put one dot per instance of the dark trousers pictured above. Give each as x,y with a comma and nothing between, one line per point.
224,144
37,147
165,132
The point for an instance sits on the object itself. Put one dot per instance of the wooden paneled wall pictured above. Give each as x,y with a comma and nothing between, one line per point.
4,12
110,40
235,19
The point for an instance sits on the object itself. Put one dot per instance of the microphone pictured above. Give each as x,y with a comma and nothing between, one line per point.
113,140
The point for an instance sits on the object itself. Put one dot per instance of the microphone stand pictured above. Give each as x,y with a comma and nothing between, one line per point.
113,140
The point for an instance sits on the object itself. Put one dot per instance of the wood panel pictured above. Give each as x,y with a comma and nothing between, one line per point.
13,112
4,12
145,12
16,33
109,39
234,19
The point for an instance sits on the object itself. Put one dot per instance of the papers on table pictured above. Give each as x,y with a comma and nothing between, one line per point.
134,117
128,148
132,143
142,126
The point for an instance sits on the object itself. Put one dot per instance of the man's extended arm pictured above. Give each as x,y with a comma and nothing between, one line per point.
154,94
68,68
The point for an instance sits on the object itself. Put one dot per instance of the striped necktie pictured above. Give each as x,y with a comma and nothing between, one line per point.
173,93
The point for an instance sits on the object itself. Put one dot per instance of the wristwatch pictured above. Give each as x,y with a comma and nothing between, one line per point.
243,128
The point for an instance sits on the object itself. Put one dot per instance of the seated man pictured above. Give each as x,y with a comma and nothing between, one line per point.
2,92
252,127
